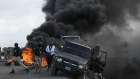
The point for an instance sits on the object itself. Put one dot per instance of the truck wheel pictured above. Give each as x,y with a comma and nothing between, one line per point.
54,70
84,76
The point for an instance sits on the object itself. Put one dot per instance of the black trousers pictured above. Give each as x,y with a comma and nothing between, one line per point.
49,60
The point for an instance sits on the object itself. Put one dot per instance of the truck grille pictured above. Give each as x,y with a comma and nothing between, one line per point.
69,63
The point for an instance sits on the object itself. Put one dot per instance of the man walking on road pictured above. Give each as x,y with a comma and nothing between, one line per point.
50,51
38,56
17,53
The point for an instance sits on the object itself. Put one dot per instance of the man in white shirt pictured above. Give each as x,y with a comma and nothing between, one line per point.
50,49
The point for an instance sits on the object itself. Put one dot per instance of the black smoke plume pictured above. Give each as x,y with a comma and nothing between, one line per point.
69,17
123,54
86,18
123,64
116,10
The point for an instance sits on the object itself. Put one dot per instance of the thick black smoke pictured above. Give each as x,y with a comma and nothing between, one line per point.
123,56
69,17
116,10
86,18
123,64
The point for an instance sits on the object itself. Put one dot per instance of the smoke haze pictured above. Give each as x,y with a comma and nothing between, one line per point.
116,10
113,25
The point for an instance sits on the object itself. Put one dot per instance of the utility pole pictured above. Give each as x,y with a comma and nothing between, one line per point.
0,53
5,54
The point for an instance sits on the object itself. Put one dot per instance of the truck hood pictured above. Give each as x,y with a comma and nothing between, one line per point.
75,58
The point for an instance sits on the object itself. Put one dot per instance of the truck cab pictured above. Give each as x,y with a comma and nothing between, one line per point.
75,58
67,38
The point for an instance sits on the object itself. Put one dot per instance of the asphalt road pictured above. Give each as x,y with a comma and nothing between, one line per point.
20,73
114,65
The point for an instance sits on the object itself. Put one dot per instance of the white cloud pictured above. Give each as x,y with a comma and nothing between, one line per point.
17,19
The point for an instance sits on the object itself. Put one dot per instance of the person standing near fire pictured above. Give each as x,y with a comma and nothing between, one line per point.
38,49
16,55
50,49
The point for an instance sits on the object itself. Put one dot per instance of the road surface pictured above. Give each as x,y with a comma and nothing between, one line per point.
20,73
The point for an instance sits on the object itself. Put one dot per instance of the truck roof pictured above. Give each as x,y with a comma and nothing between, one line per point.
69,37
81,42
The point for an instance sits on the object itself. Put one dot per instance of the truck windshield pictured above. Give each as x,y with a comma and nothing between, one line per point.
77,50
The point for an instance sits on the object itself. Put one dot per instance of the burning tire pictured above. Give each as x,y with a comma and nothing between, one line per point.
15,63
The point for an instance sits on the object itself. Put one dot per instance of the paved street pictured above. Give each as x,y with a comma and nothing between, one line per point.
21,74
113,64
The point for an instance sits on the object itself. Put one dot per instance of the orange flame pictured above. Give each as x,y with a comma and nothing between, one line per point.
44,62
11,60
28,56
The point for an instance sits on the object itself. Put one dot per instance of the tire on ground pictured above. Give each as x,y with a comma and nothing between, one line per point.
54,70
84,76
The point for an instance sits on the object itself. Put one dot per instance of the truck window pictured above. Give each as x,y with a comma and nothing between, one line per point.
77,50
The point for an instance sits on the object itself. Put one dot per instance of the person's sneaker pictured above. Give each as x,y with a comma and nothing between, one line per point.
12,72
27,70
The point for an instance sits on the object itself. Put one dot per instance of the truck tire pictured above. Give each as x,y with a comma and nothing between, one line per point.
54,70
84,76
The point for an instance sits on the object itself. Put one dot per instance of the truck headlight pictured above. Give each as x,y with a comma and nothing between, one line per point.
62,47
59,59
80,66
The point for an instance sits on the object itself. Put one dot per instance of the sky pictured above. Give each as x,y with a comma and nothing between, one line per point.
17,19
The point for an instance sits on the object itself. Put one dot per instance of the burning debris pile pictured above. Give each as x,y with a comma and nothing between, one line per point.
28,56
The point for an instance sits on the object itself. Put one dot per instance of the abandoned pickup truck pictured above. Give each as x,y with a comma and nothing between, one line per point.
76,57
